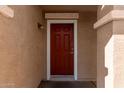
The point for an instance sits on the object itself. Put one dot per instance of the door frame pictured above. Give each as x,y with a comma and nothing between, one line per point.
48,45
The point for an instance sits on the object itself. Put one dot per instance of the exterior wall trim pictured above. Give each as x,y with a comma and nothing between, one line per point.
111,16
6,11
61,15
48,45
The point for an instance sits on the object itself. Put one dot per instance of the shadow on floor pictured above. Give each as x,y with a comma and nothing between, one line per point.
67,84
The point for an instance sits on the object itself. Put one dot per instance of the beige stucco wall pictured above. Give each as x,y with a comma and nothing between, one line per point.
118,7
87,42
110,67
86,46
104,34
44,47
110,51
104,49
102,10
118,66
21,48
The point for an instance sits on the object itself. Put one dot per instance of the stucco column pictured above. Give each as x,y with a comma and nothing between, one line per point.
110,46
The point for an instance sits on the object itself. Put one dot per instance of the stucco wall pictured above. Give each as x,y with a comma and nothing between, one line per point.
102,10
104,34
110,67
118,64
87,42
118,7
110,43
21,48
104,49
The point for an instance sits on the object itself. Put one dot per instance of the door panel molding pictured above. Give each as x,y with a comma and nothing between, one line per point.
62,43
48,45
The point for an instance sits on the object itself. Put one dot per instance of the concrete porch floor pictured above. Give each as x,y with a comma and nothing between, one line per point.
67,84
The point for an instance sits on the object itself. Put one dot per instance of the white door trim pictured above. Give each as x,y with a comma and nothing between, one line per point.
48,45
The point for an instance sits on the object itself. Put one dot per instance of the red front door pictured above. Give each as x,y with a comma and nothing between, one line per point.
62,49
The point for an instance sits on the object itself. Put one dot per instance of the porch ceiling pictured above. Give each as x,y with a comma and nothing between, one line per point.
69,8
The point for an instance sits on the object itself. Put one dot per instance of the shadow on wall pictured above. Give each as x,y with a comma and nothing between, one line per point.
104,56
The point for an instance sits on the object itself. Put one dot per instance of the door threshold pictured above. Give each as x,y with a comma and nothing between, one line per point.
62,78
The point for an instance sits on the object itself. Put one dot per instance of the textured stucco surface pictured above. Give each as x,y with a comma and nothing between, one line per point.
102,10
118,30
113,75
21,48
104,34
118,7
87,46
